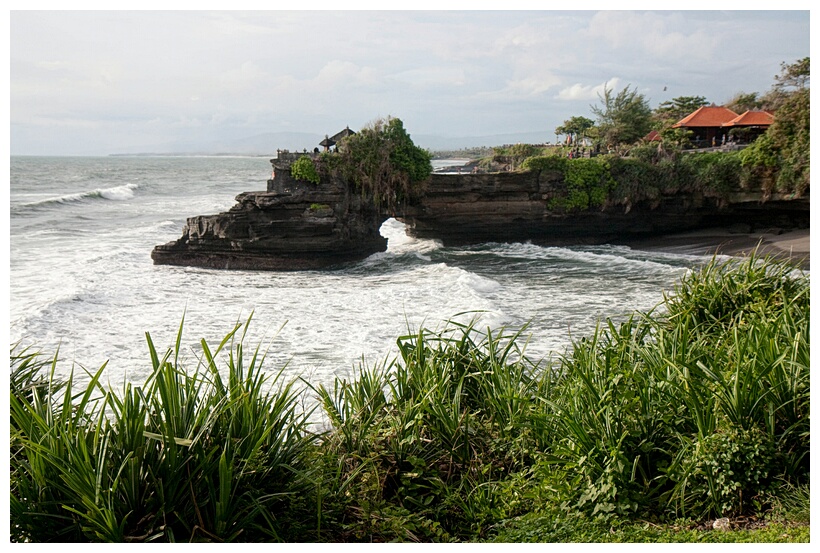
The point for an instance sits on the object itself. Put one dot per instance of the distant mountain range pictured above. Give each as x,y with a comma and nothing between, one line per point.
267,143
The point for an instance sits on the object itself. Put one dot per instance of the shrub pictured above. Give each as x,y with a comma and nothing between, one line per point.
636,180
640,409
304,169
697,408
723,473
430,432
384,163
545,163
186,456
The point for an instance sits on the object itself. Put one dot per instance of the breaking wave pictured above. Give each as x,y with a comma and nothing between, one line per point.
115,193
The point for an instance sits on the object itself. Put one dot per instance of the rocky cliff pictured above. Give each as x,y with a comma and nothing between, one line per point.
292,226
295,225
513,207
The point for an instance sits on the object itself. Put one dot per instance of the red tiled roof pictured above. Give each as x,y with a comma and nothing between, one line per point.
751,118
653,136
707,116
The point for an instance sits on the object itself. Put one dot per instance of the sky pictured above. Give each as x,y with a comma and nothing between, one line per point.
103,82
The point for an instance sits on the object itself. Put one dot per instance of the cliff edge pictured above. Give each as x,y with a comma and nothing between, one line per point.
297,225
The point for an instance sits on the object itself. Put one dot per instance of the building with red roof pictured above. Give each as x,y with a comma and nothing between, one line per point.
707,123
653,136
749,124
749,118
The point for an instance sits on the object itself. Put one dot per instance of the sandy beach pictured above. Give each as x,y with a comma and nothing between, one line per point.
792,245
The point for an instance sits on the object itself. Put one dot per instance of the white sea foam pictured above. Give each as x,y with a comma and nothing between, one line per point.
88,285
115,193
118,193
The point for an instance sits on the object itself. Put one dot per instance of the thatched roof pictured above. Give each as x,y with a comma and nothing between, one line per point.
341,134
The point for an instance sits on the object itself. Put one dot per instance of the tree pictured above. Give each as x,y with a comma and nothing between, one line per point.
671,111
745,101
623,118
575,127
793,76
785,145
792,79
383,162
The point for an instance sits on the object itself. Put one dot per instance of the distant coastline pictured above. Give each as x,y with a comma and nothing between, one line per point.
189,154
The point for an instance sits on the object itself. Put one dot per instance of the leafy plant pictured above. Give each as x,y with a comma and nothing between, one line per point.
622,118
383,162
186,456
305,169
545,163
697,408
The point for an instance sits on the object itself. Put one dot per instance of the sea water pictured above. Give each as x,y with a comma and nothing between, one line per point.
82,280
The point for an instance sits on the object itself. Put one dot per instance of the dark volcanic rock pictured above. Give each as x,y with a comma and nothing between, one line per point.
296,225
514,207
292,226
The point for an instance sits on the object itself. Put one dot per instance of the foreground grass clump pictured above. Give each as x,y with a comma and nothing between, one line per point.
646,430
186,456
432,440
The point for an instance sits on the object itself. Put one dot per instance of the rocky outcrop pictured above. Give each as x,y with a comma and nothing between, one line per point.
460,209
292,226
295,225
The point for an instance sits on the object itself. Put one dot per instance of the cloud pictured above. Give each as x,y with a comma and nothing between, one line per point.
248,76
221,73
340,74
592,92
657,35
432,77
530,86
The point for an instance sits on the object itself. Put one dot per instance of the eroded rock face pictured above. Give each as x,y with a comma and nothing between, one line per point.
460,209
291,226
295,225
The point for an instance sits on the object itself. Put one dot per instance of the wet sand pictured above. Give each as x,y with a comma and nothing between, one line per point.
792,245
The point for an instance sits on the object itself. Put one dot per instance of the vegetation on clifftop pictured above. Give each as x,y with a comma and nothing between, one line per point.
777,162
305,169
383,163
783,152
643,176
643,431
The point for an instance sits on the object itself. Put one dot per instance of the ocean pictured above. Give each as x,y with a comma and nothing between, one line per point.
82,280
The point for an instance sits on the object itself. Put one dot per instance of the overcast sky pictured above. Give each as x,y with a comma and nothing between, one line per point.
93,82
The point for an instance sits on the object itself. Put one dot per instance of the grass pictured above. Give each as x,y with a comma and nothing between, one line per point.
646,430
186,456
574,528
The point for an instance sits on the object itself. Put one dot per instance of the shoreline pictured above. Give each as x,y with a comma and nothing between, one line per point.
792,245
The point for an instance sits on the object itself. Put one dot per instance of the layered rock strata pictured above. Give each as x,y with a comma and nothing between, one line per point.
460,209
295,225
291,226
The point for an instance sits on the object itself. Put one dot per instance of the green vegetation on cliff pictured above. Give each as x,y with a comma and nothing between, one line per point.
777,162
782,154
305,169
383,163
648,171
697,409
